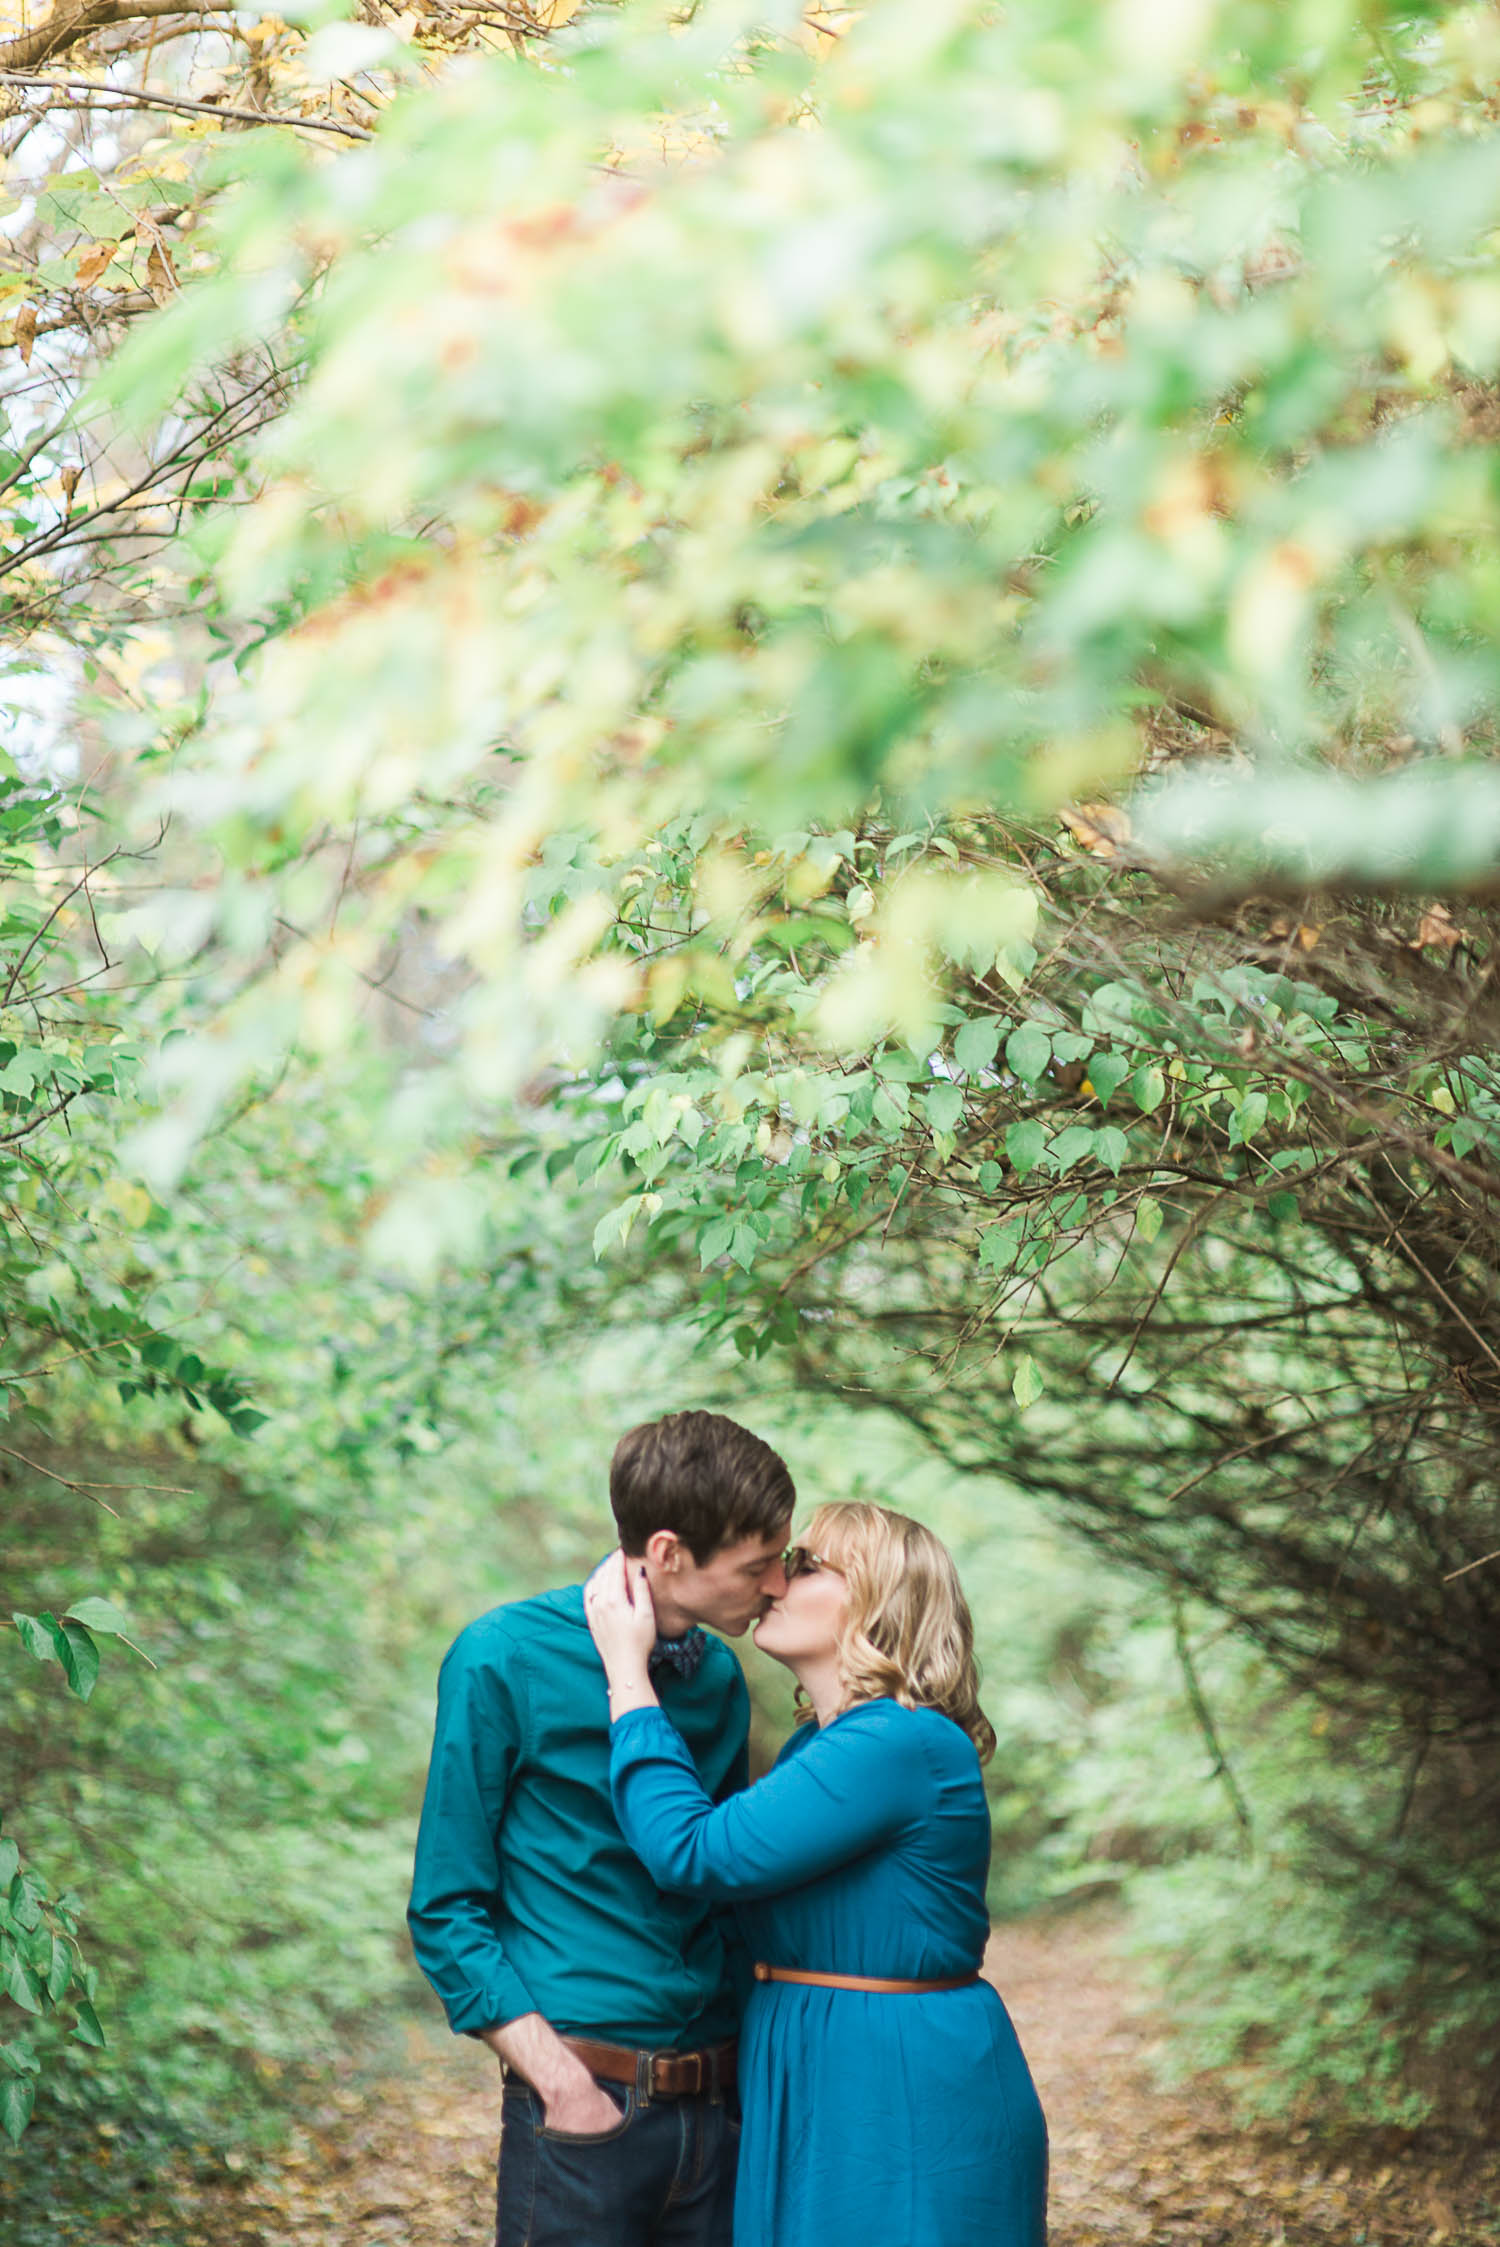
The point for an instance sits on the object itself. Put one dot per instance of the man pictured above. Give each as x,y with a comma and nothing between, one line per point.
609,2004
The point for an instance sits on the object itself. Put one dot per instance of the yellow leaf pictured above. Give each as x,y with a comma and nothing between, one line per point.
667,983
26,332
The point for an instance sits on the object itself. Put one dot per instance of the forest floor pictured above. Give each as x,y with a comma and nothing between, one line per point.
409,2162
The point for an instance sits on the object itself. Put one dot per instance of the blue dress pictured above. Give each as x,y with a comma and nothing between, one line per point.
867,2118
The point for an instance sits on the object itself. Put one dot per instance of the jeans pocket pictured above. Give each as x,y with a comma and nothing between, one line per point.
625,2097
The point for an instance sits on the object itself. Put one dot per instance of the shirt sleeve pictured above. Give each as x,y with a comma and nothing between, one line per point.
456,1881
852,1788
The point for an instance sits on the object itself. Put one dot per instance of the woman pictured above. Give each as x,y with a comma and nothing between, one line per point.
902,2114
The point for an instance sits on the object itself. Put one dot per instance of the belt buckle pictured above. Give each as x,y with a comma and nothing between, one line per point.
646,2065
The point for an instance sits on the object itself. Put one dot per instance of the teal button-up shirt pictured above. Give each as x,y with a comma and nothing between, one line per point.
527,1898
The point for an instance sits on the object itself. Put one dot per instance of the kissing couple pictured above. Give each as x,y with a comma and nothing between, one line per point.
730,2014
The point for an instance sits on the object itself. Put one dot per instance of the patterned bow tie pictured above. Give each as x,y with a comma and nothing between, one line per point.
681,1655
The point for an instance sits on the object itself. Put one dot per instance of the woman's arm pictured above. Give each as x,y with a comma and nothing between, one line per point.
621,1615
858,1784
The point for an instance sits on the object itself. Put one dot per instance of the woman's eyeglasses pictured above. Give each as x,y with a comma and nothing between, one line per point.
800,1560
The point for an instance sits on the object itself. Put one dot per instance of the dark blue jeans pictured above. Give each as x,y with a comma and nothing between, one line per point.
664,2177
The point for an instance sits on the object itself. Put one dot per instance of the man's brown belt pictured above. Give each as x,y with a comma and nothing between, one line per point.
660,2075
764,1973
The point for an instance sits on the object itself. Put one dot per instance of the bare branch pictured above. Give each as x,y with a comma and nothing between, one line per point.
130,97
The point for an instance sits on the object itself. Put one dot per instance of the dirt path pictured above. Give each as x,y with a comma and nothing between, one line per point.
412,2164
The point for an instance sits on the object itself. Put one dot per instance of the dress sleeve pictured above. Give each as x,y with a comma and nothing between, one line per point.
456,1880
737,1777
856,1785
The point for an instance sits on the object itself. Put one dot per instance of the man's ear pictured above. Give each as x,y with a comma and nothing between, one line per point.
665,1550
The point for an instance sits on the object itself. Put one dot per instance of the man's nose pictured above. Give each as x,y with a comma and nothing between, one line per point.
773,1583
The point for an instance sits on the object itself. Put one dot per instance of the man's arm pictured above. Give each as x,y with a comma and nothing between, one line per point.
482,1709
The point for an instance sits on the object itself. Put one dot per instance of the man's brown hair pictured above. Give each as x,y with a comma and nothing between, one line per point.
702,1476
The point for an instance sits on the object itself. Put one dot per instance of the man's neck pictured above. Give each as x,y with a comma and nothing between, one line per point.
671,1620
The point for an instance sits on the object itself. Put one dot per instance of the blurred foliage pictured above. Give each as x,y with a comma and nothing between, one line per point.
702,426
72,1305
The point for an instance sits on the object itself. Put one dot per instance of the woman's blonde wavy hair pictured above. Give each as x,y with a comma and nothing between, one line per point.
907,1633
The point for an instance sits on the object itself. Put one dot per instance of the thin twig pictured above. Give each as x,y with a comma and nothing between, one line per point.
1206,1725
1483,1560
129,98
82,883
169,1489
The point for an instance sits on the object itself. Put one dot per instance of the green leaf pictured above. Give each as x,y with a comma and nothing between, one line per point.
1148,1216
1027,1383
18,1982
1107,1072
991,1178
88,2030
976,1044
38,1636
714,1240
1148,1088
1282,1207
998,1245
1027,1051
17,2099
95,1614
10,1858
80,1659
1111,1147
1247,1118
22,1071
1024,1143
614,1226
59,1969
1070,1146
944,1105
28,1892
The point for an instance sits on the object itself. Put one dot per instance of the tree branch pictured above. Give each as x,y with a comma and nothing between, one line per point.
66,26
131,97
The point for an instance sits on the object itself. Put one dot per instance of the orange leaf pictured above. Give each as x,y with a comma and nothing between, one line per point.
93,263
1101,828
161,273
26,332
1437,926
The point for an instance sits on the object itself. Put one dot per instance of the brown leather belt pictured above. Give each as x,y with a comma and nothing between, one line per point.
764,1973
660,2075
